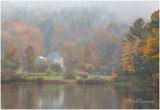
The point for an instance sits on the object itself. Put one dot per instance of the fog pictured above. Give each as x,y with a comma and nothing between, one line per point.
121,11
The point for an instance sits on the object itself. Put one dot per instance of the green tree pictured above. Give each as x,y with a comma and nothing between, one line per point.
137,30
47,28
72,57
143,67
29,59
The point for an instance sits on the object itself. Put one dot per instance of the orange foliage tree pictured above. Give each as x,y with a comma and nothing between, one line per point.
25,35
12,55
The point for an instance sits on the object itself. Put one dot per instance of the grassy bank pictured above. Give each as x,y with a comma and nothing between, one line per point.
79,82
61,77
58,78
53,78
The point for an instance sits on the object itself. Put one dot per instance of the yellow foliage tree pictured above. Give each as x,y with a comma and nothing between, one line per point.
128,52
152,47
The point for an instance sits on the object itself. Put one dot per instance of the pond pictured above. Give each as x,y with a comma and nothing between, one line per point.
36,96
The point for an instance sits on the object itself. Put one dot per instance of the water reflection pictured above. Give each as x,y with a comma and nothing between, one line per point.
74,97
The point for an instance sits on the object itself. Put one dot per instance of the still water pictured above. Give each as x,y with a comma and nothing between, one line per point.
26,96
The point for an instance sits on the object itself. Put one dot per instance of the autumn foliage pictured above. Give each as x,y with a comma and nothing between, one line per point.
129,50
2,72
155,76
24,35
114,75
141,49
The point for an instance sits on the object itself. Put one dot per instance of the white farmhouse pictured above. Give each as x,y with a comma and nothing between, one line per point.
55,57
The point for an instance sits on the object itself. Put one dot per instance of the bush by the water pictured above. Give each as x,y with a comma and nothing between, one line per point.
16,78
42,67
56,67
155,82
92,81
7,66
121,79
83,75
137,81
48,72
69,76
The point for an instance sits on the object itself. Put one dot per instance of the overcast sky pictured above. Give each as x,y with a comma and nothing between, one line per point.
124,10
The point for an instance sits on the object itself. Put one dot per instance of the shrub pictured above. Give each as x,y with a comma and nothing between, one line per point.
121,79
36,74
15,78
97,73
7,66
56,67
88,67
155,82
42,67
83,75
113,75
69,76
138,81
48,72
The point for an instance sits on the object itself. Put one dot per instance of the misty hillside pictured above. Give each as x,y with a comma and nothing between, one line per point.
77,26
98,27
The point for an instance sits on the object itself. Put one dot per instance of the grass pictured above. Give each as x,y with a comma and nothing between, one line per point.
60,77
100,76
49,77
53,78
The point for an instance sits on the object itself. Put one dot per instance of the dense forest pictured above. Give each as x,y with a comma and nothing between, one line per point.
87,42
50,32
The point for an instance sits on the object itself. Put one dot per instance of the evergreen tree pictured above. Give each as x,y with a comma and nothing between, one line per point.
29,58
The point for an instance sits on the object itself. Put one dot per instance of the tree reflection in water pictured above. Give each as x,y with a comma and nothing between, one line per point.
74,97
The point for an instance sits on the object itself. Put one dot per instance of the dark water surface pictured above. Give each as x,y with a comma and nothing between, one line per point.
26,96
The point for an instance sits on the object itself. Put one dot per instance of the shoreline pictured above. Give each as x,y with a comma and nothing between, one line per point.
66,82
61,82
